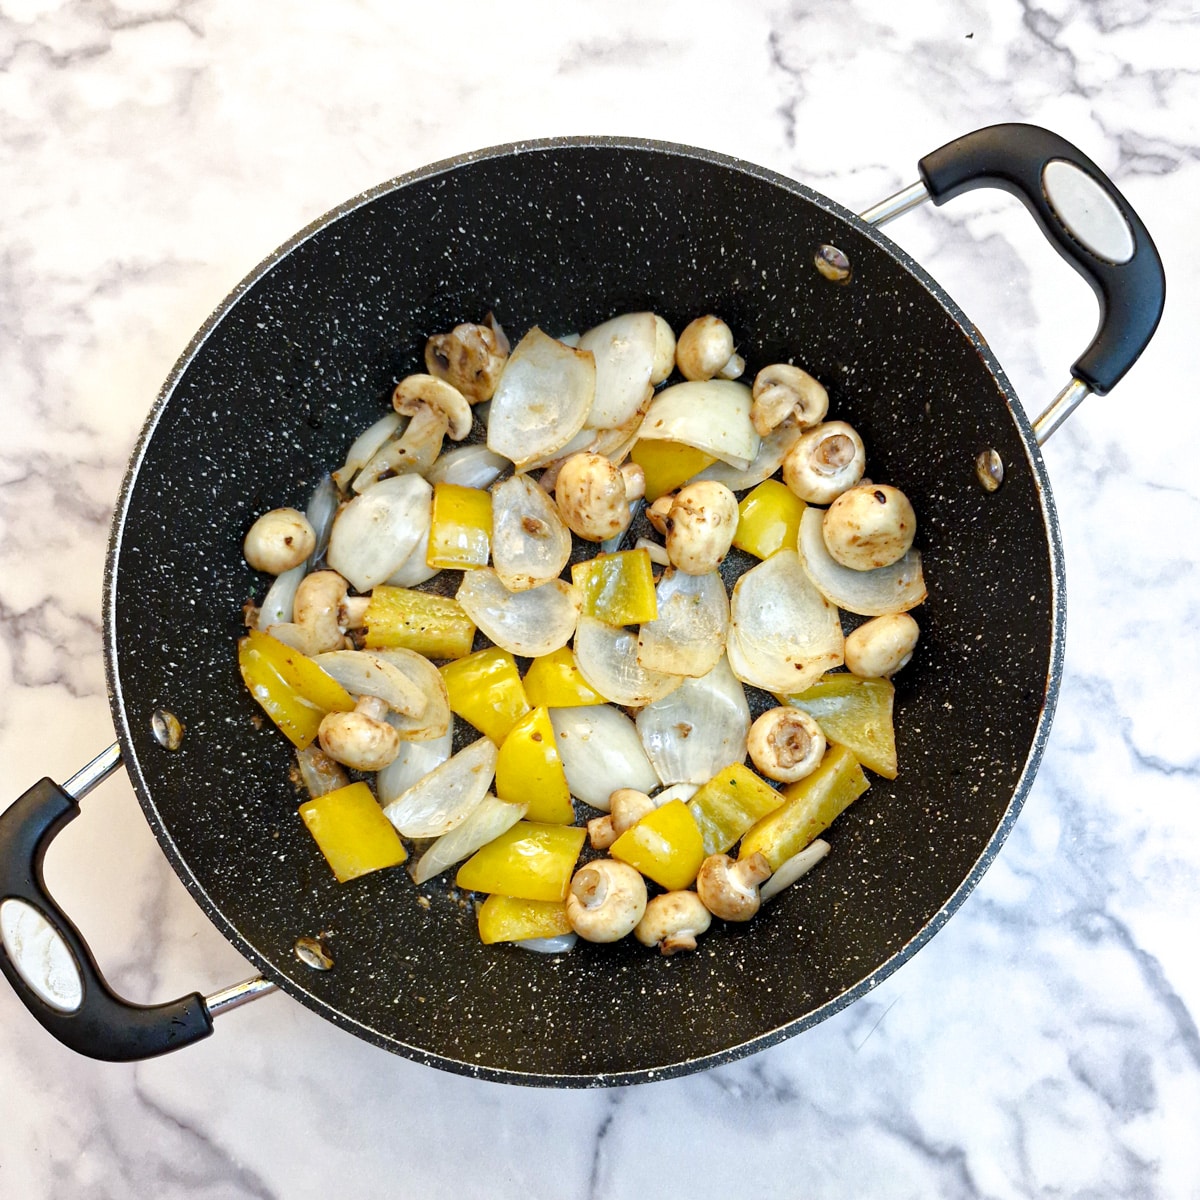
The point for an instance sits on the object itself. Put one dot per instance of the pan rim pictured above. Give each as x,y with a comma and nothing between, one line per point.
761,1041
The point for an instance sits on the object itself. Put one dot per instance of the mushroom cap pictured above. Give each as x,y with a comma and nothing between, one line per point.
880,647
782,390
703,348
869,526
825,461
470,357
417,392
673,921
318,609
606,900
590,494
361,739
278,541
786,744
700,526
729,889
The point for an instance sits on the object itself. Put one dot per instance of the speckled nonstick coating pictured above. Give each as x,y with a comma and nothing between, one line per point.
565,233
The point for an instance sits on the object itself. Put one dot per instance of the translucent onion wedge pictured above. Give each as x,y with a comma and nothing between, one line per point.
607,659
473,466
530,623
585,439
368,673
412,764
414,570
713,415
549,945
600,751
869,593
700,728
624,352
542,399
794,868
276,608
530,542
783,634
771,453
365,447
319,773
321,509
490,818
677,791
435,720
448,795
688,635
377,531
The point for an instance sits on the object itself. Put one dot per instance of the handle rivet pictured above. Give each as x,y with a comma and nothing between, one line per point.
832,263
167,729
313,952
989,470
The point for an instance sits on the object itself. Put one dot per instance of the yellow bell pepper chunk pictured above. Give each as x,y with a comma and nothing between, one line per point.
729,803
293,691
435,626
554,681
768,519
351,831
529,771
617,589
665,845
485,689
668,465
855,713
809,808
460,534
531,861
507,919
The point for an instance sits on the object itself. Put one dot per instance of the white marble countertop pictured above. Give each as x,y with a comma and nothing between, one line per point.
1045,1043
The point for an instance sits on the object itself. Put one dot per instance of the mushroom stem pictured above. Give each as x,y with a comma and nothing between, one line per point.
729,889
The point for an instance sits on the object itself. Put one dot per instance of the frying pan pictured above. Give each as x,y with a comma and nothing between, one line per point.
566,232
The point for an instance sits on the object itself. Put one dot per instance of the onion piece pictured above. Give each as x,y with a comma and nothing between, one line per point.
412,764
713,415
365,447
584,440
530,623
319,773
530,542
549,945
868,593
783,633
489,819
624,352
771,453
448,795
368,673
600,752
542,399
613,544
321,509
415,569
436,718
607,658
377,530
658,553
794,868
276,608
473,466
698,729
688,635
677,791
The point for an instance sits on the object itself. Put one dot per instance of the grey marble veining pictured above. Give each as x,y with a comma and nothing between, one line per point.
1045,1042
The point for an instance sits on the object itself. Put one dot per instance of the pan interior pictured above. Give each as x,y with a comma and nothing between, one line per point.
563,235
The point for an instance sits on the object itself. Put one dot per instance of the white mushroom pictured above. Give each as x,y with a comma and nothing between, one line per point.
278,541
437,409
470,357
700,526
361,739
729,889
786,744
673,921
321,614
825,461
869,526
781,391
591,496
705,349
606,900
664,350
658,512
627,806
879,648
634,476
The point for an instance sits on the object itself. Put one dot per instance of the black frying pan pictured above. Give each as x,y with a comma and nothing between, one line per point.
566,233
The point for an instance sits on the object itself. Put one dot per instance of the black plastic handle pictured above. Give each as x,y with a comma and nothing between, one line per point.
103,1026
1131,292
